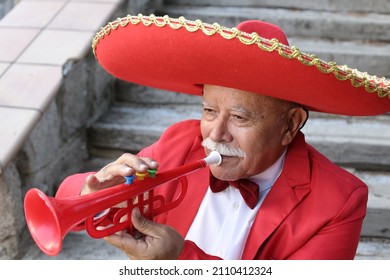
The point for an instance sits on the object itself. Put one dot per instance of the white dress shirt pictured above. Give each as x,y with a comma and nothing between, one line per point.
223,221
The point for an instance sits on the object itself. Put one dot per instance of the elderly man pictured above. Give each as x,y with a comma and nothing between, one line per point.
255,102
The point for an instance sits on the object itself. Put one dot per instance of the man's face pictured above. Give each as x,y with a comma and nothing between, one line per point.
249,124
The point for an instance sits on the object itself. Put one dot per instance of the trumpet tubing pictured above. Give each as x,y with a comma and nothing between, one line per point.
50,219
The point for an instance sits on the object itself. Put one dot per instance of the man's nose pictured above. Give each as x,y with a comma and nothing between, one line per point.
219,131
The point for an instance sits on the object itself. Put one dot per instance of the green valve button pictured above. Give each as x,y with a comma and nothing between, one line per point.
152,172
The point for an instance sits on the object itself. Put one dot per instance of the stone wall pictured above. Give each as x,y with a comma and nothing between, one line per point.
5,6
56,147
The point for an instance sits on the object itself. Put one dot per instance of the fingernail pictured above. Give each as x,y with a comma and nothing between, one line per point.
136,213
127,170
143,166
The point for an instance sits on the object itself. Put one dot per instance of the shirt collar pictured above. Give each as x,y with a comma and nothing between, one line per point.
267,178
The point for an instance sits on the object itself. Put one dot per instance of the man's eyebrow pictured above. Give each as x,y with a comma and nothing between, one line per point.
242,110
249,113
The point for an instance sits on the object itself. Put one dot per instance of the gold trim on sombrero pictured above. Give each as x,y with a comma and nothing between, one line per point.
372,84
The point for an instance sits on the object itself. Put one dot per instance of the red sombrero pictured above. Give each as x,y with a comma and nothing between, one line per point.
181,55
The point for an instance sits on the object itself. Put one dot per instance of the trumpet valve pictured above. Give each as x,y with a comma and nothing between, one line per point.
141,175
129,179
152,173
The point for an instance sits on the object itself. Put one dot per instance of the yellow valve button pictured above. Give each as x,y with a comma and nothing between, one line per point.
141,175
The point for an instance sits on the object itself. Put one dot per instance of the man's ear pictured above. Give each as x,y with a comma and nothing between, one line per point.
296,119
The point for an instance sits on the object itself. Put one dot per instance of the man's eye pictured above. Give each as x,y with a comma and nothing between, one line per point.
239,118
208,110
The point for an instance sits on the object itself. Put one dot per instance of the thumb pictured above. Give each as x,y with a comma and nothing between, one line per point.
92,181
141,224
91,184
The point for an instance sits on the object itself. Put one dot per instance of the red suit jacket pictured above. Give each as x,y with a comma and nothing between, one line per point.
314,210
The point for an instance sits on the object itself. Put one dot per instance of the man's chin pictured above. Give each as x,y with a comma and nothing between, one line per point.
223,172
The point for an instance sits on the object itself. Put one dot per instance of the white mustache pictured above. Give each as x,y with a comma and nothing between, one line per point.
222,148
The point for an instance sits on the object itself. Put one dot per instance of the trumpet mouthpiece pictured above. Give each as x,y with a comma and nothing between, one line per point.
213,158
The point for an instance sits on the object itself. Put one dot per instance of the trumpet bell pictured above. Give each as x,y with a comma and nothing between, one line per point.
42,221
49,219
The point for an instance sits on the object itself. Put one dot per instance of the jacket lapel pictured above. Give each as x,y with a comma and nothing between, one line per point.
289,189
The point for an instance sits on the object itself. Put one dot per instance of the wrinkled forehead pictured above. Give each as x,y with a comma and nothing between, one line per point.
241,99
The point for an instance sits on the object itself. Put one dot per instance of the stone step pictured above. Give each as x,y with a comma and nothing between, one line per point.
357,6
361,142
377,221
373,249
144,96
130,127
344,26
358,142
373,58
359,41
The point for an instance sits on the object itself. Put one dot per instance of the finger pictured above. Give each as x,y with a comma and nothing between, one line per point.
126,165
114,173
92,184
99,181
121,240
133,248
159,241
143,225
151,163
113,170
139,164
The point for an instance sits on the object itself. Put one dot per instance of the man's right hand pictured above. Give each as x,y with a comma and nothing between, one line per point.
113,173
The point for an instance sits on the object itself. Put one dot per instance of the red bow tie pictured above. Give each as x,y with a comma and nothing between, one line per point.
248,189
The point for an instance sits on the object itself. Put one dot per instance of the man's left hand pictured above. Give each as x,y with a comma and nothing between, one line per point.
159,242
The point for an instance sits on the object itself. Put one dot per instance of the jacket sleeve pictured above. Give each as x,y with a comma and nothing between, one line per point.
72,185
192,252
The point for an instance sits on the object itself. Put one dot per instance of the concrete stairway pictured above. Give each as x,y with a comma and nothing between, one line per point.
350,32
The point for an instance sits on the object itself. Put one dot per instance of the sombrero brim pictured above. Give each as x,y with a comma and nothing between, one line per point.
181,55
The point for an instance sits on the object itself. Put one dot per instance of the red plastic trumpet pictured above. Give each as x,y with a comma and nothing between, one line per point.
49,219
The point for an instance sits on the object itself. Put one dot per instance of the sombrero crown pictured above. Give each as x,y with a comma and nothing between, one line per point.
182,55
